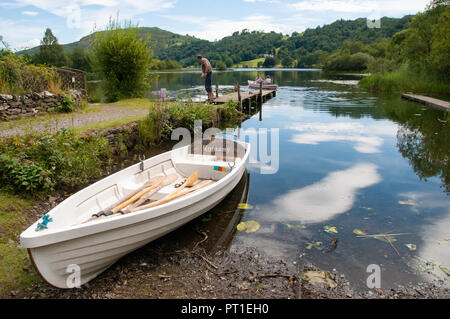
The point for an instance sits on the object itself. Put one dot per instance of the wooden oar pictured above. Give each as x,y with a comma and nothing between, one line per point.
175,196
169,180
189,182
130,199
146,185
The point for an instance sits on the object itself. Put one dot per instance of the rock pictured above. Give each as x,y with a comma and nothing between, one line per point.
6,97
47,94
319,278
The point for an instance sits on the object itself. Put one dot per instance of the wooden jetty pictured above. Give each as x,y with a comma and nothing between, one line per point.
246,98
428,101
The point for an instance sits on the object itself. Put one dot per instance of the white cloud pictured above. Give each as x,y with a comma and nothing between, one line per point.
18,35
86,14
30,13
214,29
361,7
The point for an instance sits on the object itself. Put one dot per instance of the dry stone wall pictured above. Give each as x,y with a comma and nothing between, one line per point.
13,107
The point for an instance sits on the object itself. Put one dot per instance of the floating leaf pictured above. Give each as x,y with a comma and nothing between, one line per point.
411,247
319,277
315,245
330,230
245,206
445,269
408,202
366,208
358,232
383,239
250,226
289,226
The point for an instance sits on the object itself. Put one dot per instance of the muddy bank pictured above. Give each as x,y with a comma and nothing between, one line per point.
195,262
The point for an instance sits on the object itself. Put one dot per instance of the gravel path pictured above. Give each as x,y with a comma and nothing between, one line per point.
75,120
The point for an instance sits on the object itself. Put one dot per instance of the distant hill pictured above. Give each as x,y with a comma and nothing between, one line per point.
161,41
246,45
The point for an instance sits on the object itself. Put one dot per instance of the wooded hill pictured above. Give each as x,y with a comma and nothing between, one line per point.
248,45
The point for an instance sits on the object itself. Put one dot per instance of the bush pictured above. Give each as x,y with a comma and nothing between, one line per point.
221,66
67,105
19,77
122,60
39,163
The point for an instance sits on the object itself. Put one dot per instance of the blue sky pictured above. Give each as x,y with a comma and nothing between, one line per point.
23,22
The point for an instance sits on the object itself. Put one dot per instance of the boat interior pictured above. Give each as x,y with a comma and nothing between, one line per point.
212,160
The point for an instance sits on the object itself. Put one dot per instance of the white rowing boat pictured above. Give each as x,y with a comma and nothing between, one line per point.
73,236
266,86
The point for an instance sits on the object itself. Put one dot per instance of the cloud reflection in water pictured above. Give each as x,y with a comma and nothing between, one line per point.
324,200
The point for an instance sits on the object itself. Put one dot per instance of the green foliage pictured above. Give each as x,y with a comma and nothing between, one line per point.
122,61
163,118
152,128
40,163
269,62
19,77
287,62
166,65
67,105
416,59
80,59
406,78
51,53
221,66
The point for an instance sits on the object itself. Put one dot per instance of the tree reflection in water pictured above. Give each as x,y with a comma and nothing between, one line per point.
423,138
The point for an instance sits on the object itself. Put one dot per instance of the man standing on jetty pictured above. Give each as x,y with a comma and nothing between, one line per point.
207,75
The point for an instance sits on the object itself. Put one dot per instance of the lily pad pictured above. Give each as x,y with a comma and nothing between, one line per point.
445,269
319,277
250,226
245,206
315,245
408,202
358,232
411,247
330,230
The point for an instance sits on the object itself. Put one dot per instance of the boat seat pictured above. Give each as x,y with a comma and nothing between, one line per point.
208,167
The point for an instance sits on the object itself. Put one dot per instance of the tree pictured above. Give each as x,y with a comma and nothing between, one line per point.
229,62
221,66
287,61
50,52
122,60
269,62
79,59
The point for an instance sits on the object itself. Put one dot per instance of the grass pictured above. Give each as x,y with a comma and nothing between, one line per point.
250,64
16,270
109,124
406,80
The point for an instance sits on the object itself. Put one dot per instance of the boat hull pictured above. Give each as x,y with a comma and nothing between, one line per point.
256,86
95,253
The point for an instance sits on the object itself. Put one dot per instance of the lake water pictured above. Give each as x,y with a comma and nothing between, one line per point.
349,160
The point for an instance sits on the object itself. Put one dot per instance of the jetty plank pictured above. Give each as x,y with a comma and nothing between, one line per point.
428,101
266,94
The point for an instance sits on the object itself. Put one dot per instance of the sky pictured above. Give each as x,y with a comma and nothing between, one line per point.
23,22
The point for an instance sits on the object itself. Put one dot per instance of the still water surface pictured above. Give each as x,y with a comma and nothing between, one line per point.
349,160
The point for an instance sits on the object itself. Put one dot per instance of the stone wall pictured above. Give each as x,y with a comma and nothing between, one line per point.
15,106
